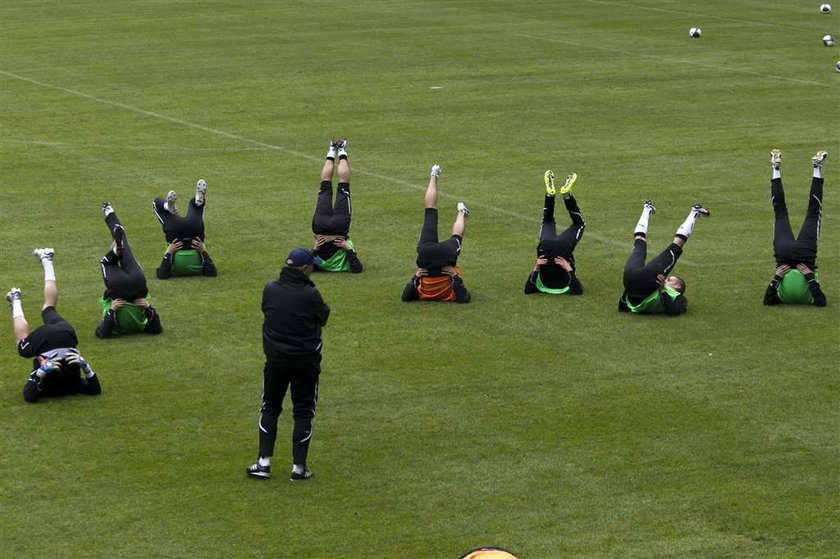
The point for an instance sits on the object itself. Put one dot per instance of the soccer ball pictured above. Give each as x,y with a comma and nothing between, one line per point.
694,32
828,41
825,8
837,66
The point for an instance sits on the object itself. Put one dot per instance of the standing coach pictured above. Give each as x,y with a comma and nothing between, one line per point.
294,314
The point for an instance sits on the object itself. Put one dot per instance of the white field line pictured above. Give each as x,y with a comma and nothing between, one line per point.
529,218
79,146
697,15
251,141
675,60
172,119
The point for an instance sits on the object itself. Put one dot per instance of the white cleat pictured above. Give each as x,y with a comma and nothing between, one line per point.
42,253
200,192
819,159
171,198
13,294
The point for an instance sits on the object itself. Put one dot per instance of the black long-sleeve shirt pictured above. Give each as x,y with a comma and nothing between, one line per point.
164,271
294,313
771,295
411,292
572,282
671,306
354,262
328,250
105,328
60,383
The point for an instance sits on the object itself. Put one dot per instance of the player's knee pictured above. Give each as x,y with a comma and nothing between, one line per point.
270,408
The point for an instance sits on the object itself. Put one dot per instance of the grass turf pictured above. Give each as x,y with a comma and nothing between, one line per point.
551,426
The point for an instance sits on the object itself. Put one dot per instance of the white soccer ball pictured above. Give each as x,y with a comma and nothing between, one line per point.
825,8
837,66
695,32
828,41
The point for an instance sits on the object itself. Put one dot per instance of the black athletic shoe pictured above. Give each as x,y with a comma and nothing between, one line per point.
700,210
303,476
258,472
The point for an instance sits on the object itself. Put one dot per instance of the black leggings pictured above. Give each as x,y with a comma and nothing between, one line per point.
176,227
551,244
329,219
300,373
640,278
122,274
432,254
792,250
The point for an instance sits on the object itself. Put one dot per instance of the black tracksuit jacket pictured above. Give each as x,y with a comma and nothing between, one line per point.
294,314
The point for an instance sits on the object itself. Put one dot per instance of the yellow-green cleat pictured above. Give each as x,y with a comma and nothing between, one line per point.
567,186
549,183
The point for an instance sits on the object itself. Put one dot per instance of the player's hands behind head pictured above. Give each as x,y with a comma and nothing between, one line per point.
47,365
75,358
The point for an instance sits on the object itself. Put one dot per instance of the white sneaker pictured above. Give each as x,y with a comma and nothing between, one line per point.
107,208
41,253
462,207
341,147
436,170
700,210
776,158
649,205
171,198
819,159
200,191
14,293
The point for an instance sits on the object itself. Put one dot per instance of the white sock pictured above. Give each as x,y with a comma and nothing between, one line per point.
166,207
688,225
264,461
777,173
817,171
297,469
642,226
17,308
49,269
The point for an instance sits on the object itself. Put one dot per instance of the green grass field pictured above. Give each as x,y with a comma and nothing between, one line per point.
554,427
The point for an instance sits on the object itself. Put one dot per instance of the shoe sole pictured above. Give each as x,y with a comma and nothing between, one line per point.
549,183
570,182
301,478
257,475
